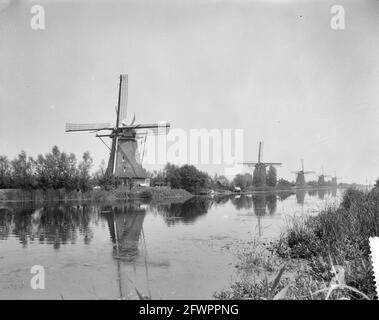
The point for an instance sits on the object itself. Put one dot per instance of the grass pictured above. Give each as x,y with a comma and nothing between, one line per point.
152,193
326,256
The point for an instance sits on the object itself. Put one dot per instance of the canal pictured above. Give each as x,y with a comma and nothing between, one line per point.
166,250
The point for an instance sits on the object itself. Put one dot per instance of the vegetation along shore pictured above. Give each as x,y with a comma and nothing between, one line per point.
317,257
60,175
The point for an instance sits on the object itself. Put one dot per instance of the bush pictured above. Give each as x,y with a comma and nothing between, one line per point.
338,236
352,196
146,194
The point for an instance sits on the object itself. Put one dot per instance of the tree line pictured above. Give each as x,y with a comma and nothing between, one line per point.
53,170
60,170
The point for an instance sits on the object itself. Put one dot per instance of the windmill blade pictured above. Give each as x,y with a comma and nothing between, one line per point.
272,163
307,172
249,164
150,129
72,127
112,157
122,99
296,172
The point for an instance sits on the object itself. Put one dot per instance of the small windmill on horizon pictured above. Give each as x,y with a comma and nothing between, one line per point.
259,174
300,175
321,177
335,179
124,161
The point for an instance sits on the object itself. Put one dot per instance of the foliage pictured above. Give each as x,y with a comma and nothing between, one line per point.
243,181
54,170
338,236
272,178
186,177
259,176
284,184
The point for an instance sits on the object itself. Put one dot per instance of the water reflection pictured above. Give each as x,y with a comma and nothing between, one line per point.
53,224
261,204
300,196
63,223
119,229
187,212
125,227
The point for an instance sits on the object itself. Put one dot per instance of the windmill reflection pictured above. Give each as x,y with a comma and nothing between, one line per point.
125,224
262,204
321,193
300,196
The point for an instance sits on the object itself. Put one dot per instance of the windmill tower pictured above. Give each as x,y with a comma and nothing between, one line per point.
300,175
259,175
335,180
124,161
321,178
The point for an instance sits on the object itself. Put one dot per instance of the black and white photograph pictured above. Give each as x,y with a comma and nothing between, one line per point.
208,150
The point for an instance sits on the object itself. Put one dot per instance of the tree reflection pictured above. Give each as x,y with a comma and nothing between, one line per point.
242,202
53,224
261,203
186,212
283,195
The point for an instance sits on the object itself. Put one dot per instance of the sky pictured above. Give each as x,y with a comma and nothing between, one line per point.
275,69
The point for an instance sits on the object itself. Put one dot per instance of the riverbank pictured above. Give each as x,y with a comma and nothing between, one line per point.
317,257
148,193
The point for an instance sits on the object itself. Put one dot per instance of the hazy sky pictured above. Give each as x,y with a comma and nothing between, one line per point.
275,69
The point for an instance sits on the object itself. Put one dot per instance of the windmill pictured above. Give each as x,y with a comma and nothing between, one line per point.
300,175
321,178
259,175
124,161
335,179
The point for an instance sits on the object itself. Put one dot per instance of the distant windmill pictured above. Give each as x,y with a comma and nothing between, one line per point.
260,168
124,163
335,180
300,175
321,178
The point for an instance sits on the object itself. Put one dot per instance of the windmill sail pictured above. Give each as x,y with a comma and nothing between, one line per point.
122,99
71,127
110,168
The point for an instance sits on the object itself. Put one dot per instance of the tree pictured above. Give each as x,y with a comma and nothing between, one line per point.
377,183
22,172
271,179
102,178
84,172
5,172
173,177
259,176
192,179
243,181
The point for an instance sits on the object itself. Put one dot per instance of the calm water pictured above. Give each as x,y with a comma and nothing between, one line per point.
169,251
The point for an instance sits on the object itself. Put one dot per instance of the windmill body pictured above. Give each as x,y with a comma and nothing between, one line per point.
125,162
335,180
321,178
300,176
259,174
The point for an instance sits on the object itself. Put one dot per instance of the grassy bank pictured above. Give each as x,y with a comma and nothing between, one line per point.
317,257
152,193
